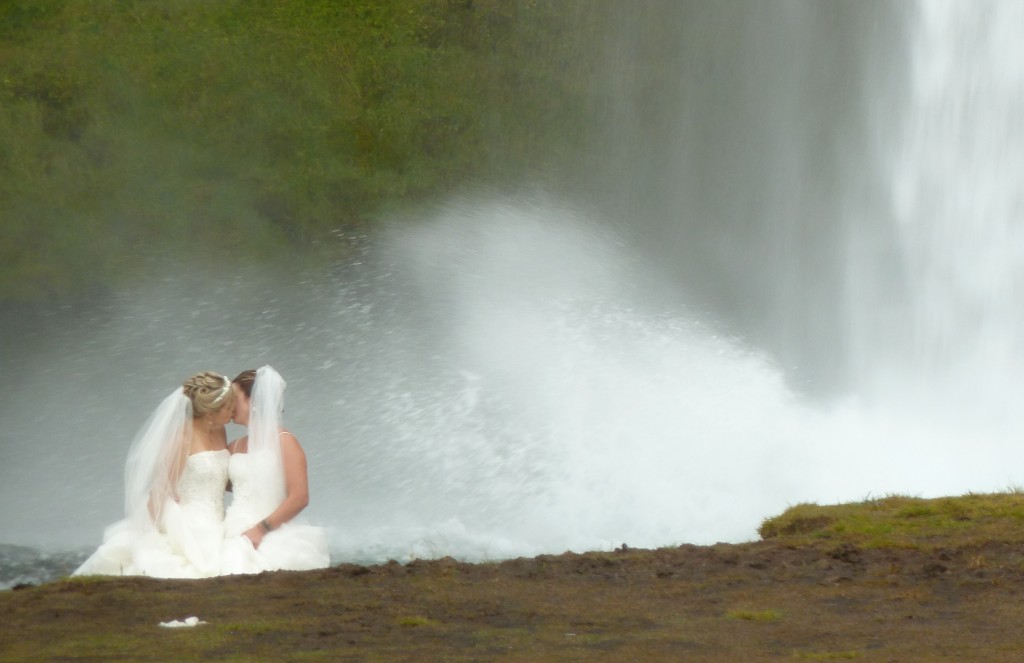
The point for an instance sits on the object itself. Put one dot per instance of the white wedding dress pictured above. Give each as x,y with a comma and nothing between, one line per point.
294,545
189,540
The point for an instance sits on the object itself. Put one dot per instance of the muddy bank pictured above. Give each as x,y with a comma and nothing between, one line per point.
758,601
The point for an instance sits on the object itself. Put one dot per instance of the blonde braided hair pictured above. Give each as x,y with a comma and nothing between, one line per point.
208,392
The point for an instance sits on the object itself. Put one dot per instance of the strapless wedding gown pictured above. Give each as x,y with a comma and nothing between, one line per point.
189,541
294,545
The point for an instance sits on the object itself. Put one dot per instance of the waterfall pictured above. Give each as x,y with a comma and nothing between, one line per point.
954,332
794,278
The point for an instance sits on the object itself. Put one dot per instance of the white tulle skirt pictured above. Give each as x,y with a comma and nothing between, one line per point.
293,546
189,546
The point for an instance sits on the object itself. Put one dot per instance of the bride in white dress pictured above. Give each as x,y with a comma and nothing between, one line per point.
270,486
174,489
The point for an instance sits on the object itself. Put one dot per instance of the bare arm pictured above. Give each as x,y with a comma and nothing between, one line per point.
296,485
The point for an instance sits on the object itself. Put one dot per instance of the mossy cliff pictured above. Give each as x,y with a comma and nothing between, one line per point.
234,128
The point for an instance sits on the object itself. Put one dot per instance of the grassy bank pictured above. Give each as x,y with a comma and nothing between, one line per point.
898,521
235,128
941,585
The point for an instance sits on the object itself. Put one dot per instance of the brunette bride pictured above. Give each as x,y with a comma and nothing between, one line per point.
270,486
174,488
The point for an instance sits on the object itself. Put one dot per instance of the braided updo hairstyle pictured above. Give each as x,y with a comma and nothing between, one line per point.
208,392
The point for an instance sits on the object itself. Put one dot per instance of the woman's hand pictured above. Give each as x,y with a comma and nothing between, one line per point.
255,534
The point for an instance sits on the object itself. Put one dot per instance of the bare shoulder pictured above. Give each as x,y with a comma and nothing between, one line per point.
291,451
288,440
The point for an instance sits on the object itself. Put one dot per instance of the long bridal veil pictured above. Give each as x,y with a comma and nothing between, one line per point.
156,459
265,414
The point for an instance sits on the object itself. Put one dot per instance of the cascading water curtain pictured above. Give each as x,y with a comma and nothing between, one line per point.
956,333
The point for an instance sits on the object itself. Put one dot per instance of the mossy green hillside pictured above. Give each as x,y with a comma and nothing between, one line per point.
235,128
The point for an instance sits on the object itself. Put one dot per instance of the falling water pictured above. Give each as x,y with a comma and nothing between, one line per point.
799,285
957,208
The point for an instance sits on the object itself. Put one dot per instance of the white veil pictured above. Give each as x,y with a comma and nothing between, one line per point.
156,459
265,409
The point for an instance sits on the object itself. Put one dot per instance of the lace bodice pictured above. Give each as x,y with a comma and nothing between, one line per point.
202,483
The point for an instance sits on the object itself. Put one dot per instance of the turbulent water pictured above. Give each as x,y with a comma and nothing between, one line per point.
799,284
23,565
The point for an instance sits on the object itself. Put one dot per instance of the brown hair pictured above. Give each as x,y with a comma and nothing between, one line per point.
245,380
209,392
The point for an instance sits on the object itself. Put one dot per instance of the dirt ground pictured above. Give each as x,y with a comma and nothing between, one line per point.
762,601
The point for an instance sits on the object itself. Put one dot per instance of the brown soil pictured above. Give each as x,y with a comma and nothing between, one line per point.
752,602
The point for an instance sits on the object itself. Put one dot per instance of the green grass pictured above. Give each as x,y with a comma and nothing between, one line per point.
898,520
415,621
754,615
